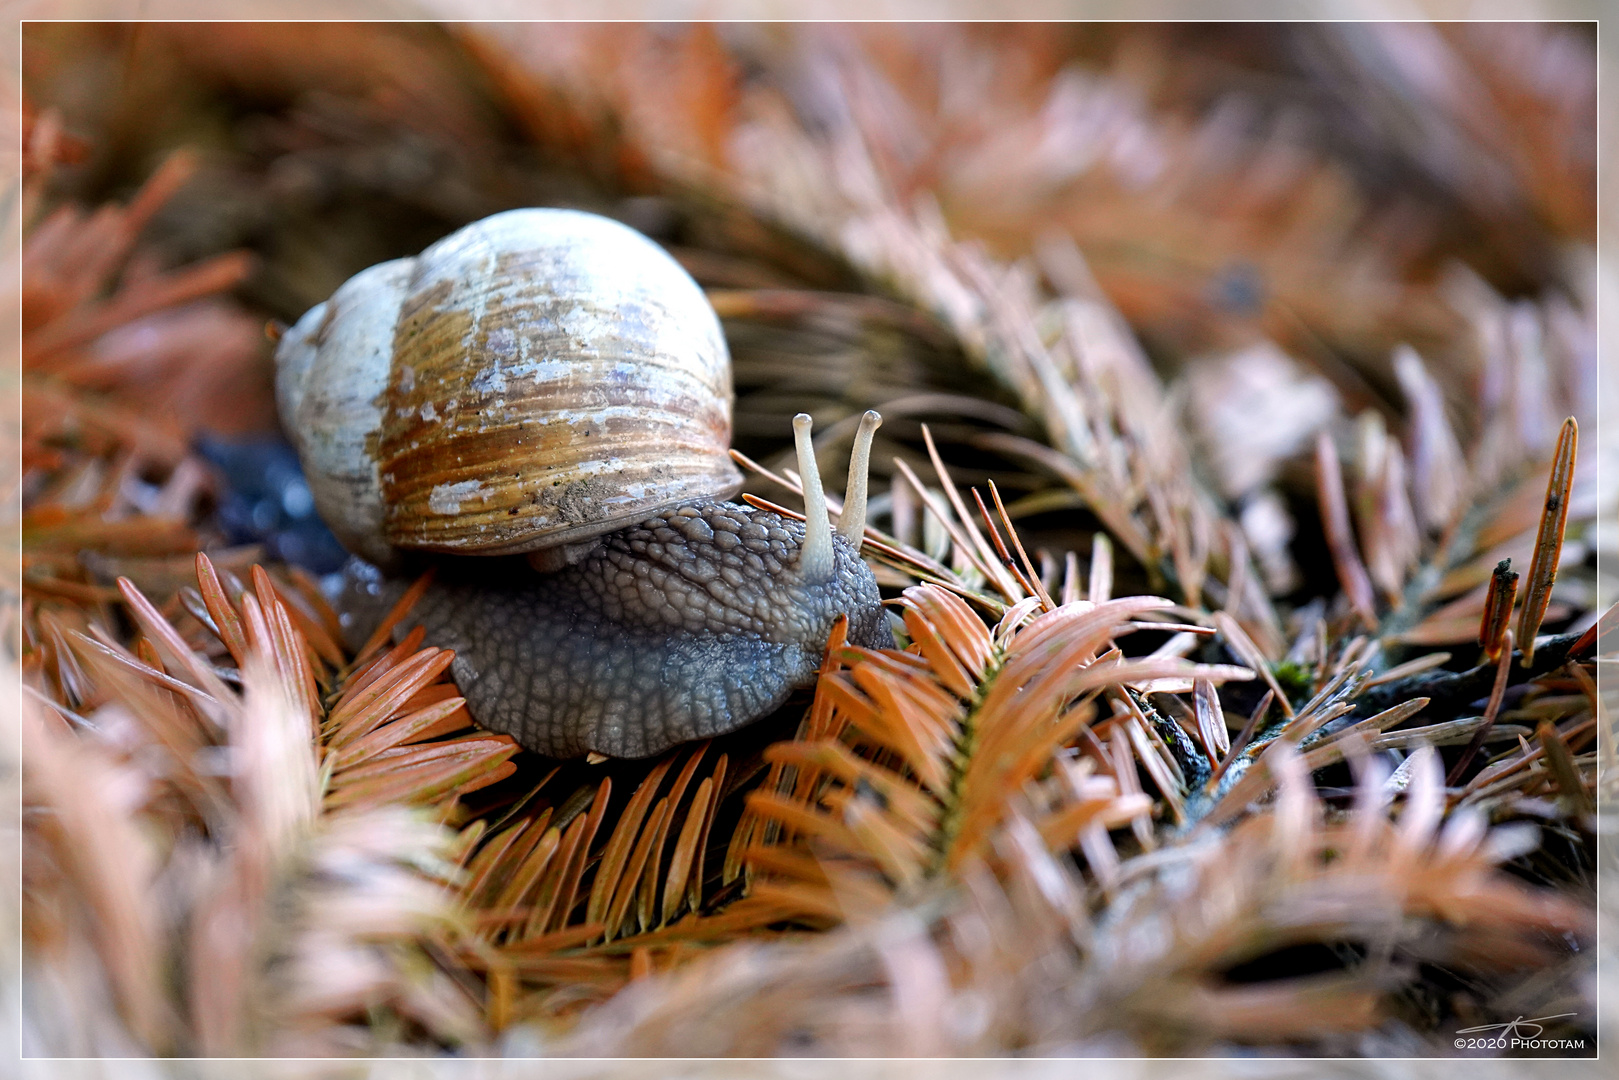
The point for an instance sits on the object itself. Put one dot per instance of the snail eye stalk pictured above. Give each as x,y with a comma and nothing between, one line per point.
852,522
815,557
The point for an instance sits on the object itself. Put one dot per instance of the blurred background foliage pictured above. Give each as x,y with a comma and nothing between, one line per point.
1265,204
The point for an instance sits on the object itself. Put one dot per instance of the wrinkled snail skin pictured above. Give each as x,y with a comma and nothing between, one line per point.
541,403
687,626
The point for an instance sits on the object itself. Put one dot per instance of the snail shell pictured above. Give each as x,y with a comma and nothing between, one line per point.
552,382
536,379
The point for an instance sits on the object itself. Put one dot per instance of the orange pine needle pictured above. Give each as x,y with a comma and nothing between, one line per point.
551,904
621,844
628,881
694,890
1548,540
568,897
401,608
221,610
410,727
377,702
685,850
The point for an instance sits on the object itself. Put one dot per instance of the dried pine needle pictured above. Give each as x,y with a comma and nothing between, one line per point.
1548,540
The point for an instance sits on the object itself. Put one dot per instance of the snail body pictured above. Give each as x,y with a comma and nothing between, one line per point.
659,636
552,384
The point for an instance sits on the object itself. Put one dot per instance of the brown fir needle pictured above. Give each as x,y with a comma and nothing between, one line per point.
1560,762
1210,719
1243,737
1497,609
1549,541
379,636
1497,694
1000,545
1357,584
1101,581
1038,587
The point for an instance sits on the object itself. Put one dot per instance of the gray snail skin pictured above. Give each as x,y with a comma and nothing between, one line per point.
552,384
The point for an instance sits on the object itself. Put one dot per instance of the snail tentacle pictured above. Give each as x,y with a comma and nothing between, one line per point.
852,522
815,558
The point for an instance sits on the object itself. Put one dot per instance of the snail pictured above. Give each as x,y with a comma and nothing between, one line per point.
552,387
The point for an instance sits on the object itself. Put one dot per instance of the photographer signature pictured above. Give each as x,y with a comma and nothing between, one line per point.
1516,1028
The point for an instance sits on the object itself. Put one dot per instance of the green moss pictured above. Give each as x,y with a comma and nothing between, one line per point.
1295,679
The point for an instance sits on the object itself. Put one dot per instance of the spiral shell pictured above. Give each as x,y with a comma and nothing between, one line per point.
535,379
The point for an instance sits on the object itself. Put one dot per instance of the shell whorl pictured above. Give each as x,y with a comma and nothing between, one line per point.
537,378
331,373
